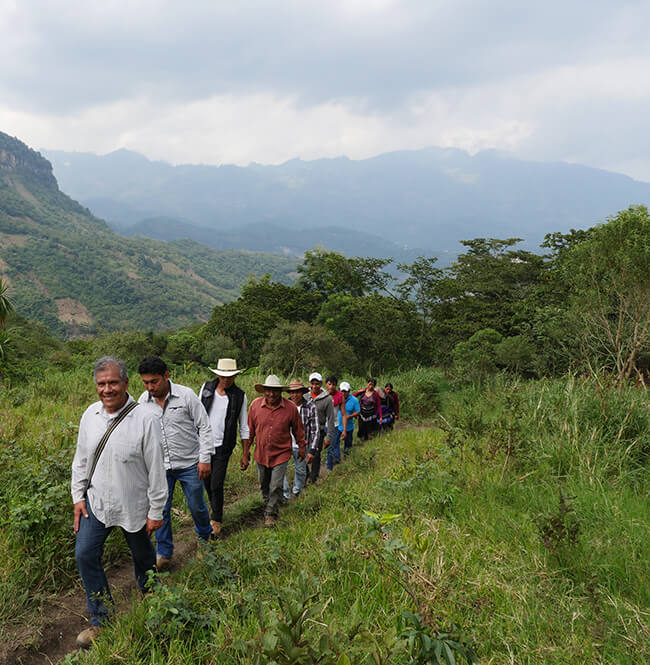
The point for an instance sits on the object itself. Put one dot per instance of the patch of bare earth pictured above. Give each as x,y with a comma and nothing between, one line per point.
25,193
72,311
13,239
64,616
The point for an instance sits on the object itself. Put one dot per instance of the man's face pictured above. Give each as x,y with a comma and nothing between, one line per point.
331,387
111,388
345,395
315,386
296,397
157,385
226,381
272,396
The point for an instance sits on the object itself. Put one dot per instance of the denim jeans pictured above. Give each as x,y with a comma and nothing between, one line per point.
89,549
192,487
270,478
334,451
347,442
299,476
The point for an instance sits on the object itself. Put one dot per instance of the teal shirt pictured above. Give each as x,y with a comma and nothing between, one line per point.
351,406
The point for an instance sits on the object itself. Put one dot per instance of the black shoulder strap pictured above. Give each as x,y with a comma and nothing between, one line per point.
102,444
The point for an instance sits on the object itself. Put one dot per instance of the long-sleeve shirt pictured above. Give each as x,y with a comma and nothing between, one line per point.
186,432
309,417
129,484
271,429
325,409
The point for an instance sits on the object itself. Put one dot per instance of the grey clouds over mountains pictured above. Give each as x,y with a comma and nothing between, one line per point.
396,204
253,81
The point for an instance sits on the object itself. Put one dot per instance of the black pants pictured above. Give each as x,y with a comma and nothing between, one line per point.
214,482
367,428
313,470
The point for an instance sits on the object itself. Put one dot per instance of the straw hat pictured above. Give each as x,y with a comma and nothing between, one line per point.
226,367
297,384
272,381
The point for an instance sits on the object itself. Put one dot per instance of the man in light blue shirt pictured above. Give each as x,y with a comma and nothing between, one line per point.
187,446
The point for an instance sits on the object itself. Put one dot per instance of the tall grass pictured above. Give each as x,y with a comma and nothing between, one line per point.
522,521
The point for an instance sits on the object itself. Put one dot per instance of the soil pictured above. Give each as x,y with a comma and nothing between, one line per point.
63,617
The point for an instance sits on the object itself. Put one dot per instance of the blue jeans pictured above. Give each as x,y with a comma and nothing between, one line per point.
89,549
334,451
192,487
299,477
347,442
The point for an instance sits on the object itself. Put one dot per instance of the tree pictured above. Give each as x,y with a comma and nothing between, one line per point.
484,288
382,331
6,304
295,348
608,275
330,272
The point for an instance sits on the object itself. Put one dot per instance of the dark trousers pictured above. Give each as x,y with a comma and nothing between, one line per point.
314,468
89,549
215,481
367,428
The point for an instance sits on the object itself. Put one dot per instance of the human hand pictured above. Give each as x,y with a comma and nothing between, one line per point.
79,509
310,458
204,469
152,525
245,461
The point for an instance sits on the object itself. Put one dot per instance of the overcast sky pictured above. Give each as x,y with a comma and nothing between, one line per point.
215,81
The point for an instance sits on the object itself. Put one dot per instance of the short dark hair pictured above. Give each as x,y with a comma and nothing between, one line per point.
389,385
332,379
110,361
152,365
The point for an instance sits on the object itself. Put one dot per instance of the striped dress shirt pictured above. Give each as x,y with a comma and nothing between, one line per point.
186,432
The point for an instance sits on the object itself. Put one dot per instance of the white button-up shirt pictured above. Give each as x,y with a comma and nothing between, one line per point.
186,432
129,484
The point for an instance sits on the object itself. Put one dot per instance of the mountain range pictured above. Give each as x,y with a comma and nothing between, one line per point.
70,271
397,204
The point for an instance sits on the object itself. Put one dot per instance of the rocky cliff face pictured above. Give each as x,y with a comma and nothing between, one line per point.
17,158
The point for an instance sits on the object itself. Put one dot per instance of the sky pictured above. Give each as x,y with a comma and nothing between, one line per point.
241,81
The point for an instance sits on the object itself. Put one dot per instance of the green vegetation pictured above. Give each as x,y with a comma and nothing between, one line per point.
512,522
69,271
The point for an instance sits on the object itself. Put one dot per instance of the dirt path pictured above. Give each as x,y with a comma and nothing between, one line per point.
64,616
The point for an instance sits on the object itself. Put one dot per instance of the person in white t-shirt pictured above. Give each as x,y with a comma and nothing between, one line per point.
227,408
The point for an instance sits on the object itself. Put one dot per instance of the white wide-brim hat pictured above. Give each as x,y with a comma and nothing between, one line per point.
226,367
272,381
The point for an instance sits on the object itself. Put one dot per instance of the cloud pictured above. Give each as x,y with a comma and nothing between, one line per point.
257,81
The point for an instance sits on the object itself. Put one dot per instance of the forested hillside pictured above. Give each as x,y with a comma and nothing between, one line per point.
68,270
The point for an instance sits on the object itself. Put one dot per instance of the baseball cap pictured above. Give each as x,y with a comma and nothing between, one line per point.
315,376
345,386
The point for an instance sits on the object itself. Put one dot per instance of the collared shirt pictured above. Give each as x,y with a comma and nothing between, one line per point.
129,484
271,428
186,431
351,406
309,417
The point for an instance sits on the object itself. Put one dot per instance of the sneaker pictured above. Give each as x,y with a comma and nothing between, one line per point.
216,528
269,521
86,637
163,563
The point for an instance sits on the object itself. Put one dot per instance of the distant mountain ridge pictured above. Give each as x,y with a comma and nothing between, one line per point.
414,201
70,271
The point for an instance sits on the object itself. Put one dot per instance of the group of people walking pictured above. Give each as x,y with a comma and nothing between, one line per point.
130,455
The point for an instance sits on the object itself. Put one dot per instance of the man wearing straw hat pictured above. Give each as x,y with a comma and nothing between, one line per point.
227,407
309,417
271,421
